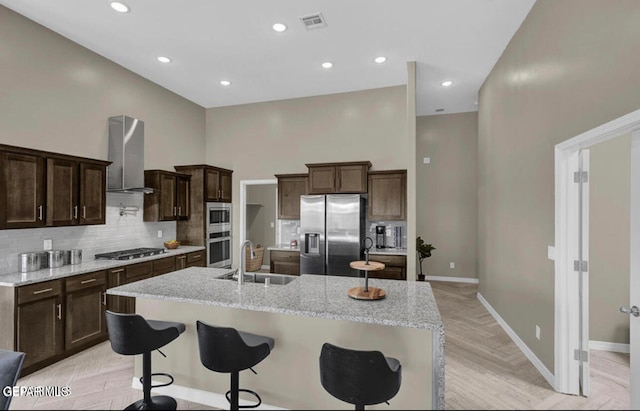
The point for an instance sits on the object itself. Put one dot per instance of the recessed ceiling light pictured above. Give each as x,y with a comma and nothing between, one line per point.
380,59
163,59
447,83
279,27
225,82
119,7
327,64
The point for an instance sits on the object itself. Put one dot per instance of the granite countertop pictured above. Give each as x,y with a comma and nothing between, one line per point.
408,303
87,266
389,251
283,247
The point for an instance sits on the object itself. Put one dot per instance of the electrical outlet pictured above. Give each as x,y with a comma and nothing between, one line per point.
537,331
272,224
426,160
452,265
48,244
159,233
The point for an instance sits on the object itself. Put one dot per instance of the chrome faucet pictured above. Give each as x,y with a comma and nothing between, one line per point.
243,258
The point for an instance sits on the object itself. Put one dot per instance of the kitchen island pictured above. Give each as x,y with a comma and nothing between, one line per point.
300,316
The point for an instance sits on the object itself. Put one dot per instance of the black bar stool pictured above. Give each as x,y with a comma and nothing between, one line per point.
131,334
10,367
359,377
228,350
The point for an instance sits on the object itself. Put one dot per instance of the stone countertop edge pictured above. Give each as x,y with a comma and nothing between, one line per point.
388,251
87,266
327,297
283,247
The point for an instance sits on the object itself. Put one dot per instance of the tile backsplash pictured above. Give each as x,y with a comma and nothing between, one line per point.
287,230
119,233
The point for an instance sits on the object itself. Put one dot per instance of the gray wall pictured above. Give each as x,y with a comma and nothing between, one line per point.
260,214
609,234
568,69
57,95
447,192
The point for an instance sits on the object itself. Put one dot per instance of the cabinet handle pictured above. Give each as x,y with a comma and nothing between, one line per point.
179,211
40,213
46,290
181,257
75,212
104,298
59,311
174,210
219,193
196,257
84,211
119,270
87,281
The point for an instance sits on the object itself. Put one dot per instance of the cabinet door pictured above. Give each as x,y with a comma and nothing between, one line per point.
22,190
387,196
116,303
286,267
62,192
322,180
93,193
390,273
168,208
39,325
164,266
85,319
182,197
212,184
289,191
225,187
181,262
351,179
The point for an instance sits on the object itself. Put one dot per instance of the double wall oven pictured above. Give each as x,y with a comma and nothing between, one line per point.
219,235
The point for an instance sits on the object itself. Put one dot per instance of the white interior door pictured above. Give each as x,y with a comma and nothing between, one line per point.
634,275
583,271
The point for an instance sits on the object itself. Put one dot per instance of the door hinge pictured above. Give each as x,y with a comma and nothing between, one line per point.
580,355
580,266
581,177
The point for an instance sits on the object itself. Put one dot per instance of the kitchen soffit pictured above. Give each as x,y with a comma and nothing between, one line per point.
232,39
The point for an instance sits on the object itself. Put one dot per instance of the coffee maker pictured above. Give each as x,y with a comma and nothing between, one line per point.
381,231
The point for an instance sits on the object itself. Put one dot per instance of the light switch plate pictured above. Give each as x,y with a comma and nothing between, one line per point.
159,233
426,160
452,265
48,244
551,252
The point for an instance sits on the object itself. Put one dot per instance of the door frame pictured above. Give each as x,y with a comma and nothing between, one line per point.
243,204
567,309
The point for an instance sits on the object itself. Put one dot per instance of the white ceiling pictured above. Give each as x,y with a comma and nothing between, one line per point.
211,40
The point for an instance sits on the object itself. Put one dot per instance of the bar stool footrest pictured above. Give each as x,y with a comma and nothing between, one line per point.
164,374
255,394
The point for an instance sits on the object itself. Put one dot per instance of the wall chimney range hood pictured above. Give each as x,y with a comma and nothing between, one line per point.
125,174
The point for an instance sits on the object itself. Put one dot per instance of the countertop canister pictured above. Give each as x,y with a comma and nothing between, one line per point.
56,258
29,262
76,256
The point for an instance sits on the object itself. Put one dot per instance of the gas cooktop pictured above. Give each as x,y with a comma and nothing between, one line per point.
129,254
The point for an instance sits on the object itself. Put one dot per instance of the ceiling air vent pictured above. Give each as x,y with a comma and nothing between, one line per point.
313,21
439,110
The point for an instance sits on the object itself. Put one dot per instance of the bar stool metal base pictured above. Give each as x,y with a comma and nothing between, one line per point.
157,402
255,394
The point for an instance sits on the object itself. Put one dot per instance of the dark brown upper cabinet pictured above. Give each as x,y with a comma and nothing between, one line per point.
388,195
216,182
170,197
290,188
40,189
328,178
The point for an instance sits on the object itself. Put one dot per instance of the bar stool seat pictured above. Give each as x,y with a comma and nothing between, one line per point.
10,367
132,334
227,350
359,377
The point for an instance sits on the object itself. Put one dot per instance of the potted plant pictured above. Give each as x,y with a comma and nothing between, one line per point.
424,251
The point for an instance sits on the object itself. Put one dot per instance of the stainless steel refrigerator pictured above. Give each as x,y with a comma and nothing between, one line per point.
332,231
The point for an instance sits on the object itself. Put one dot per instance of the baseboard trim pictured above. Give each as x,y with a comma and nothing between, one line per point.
609,346
523,347
451,279
198,396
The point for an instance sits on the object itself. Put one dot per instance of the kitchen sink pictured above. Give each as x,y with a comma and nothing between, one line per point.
274,279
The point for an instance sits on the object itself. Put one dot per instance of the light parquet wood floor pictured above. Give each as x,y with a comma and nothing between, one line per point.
484,369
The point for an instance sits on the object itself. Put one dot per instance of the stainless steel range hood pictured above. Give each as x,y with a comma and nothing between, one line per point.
126,152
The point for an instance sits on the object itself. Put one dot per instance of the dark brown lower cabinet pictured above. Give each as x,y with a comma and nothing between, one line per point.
39,321
86,303
164,265
395,267
284,262
117,303
197,259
